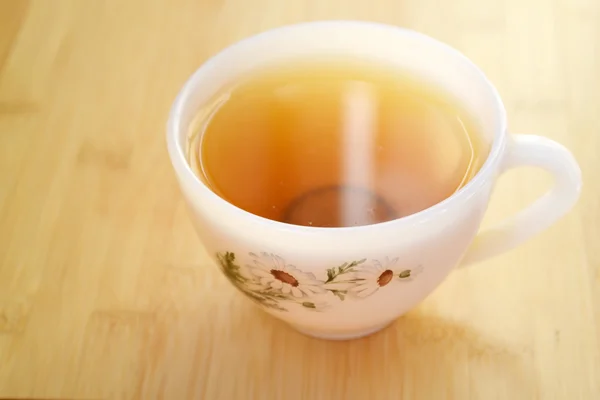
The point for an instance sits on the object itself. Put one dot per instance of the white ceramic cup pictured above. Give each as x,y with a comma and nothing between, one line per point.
341,283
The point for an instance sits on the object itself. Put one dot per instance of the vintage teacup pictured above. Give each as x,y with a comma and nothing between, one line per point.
341,283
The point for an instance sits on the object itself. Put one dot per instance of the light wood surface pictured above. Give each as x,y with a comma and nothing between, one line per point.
105,291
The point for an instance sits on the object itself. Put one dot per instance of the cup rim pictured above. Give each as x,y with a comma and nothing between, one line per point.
187,176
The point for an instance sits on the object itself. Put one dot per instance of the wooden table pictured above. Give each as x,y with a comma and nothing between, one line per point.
105,291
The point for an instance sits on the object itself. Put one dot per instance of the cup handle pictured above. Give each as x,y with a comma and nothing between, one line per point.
537,151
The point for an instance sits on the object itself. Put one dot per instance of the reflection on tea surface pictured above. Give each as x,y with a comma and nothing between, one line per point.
334,143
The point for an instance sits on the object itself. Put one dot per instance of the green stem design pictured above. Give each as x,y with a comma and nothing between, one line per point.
230,268
334,273
265,297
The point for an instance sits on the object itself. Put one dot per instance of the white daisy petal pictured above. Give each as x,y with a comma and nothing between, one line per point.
255,286
304,277
260,272
362,286
285,288
315,288
339,285
310,275
306,290
291,270
289,267
311,289
367,292
296,292
260,267
279,262
366,275
266,281
276,284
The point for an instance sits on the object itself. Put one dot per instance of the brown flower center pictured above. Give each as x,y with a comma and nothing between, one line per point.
285,277
385,278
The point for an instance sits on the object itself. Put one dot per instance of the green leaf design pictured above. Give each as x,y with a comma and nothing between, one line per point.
341,294
230,268
264,301
308,304
330,275
334,273
265,297
404,274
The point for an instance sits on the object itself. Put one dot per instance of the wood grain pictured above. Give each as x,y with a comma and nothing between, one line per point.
105,291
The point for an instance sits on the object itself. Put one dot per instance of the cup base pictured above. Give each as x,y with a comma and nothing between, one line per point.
341,335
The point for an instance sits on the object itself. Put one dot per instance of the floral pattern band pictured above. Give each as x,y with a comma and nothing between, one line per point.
273,283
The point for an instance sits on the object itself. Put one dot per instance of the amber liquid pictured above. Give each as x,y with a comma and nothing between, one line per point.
335,143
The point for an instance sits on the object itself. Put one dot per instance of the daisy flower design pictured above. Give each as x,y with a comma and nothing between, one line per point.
407,275
273,272
376,275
